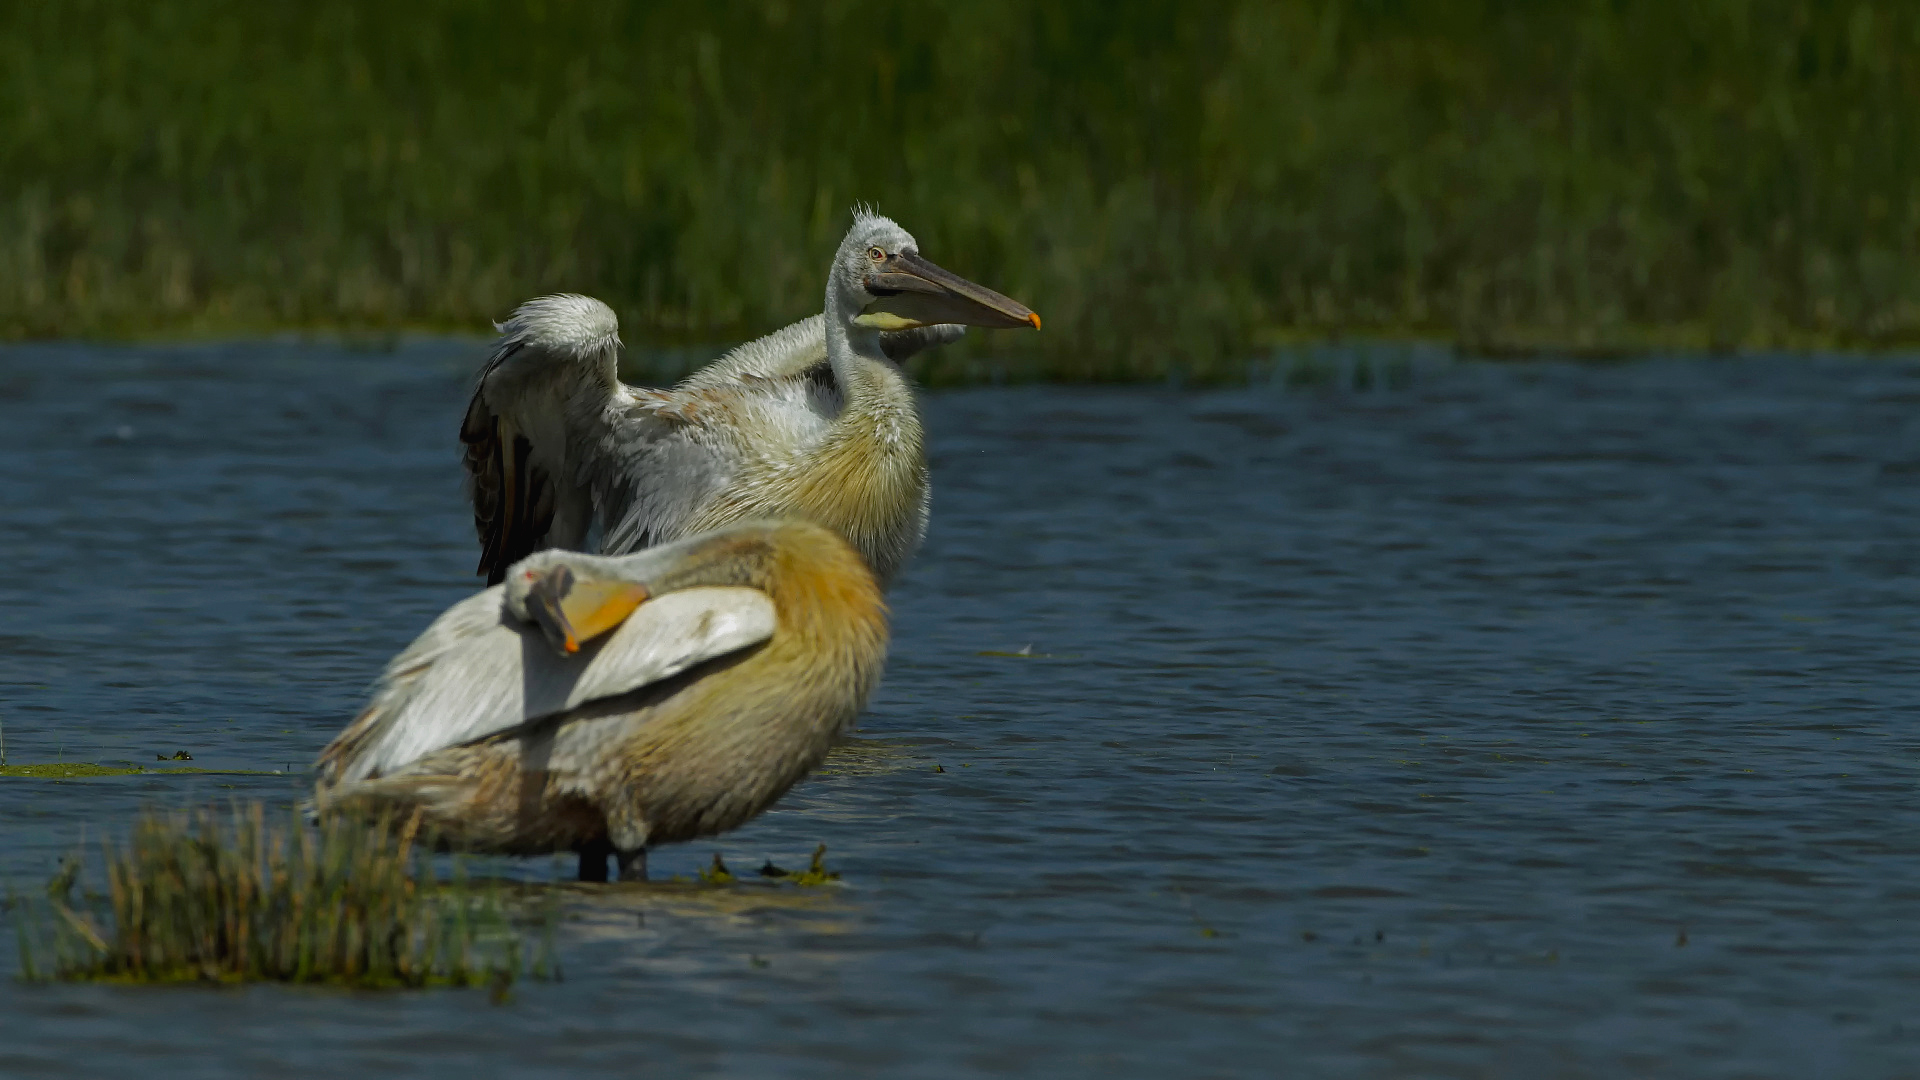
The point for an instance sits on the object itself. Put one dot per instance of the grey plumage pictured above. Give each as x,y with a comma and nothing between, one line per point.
815,420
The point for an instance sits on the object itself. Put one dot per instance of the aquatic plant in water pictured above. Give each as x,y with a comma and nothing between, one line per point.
814,875
816,872
206,896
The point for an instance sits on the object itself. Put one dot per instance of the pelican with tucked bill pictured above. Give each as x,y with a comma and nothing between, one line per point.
609,704
815,421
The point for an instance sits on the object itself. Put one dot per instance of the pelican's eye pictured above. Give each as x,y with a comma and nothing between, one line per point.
876,254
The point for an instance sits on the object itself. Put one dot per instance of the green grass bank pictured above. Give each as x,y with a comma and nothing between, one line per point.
1173,185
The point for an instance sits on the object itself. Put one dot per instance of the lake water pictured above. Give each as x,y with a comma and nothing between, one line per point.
1528,721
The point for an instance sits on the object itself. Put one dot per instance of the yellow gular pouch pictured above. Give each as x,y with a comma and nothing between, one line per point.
591,608
907,310
887,320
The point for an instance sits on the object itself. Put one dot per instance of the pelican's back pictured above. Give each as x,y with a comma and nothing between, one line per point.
711,700
730,744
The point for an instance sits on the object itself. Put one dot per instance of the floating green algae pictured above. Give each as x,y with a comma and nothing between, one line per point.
74,770
211,897
67,770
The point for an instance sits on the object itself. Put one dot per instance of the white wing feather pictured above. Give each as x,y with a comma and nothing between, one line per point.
477,671
790,351
784,354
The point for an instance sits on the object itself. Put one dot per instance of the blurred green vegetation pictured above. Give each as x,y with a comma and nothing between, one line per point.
1175,186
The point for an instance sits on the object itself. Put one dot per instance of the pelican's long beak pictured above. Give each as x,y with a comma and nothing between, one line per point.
570,611
909,291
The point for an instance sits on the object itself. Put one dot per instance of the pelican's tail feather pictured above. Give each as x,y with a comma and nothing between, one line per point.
435,795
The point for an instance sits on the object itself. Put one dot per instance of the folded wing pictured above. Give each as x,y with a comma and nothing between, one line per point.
477,672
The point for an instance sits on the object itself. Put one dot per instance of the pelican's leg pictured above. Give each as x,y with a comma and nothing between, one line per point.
627,832
593,860
633,865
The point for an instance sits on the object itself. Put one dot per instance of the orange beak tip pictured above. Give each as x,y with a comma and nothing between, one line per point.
1034,318
571,645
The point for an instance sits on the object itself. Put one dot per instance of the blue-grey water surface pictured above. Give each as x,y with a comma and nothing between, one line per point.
1527,721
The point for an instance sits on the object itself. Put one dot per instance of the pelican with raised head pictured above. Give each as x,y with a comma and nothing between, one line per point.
608,704
815,421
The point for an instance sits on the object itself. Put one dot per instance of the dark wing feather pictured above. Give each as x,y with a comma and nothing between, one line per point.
512,500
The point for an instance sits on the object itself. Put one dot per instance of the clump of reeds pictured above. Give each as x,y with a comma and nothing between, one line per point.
207,896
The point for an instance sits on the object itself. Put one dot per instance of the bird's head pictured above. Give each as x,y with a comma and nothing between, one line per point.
881,283
571,598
